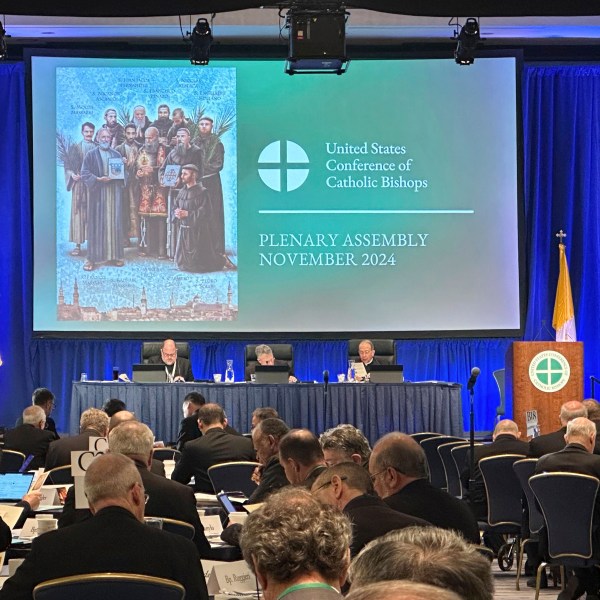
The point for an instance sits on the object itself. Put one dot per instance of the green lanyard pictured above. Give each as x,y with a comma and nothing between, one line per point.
300,586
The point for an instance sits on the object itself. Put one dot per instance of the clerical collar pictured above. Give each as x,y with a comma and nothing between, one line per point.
171,375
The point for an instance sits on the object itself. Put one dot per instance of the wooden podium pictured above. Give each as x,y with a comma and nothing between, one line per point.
544,363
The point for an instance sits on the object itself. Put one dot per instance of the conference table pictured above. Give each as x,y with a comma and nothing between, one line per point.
375,408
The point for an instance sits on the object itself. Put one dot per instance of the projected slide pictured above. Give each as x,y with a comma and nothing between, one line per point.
234,198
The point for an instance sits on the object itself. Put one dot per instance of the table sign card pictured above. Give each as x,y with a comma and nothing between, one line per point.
231,577
98,444
207,567
29,529
212,525
49,497
80,461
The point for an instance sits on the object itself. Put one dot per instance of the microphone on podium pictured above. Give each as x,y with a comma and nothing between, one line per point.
325,379
474,374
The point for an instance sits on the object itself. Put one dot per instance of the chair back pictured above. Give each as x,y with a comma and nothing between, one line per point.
175,526
562,496
100,586
437,474
233,477
500,377
524,469
166,454
459,457
503,491
280,352
150,349
59,475
385,350
452,473
423,435
11,461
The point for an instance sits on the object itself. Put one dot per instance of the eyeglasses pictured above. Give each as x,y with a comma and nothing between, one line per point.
146,498
328,483
169,354
373,477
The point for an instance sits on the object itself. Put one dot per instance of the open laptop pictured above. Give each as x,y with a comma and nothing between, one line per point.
386,374
13,486
144,373
272,374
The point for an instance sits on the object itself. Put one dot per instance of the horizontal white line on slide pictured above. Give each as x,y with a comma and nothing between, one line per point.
367,212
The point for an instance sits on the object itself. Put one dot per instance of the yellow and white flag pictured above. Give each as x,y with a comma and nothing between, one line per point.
563,319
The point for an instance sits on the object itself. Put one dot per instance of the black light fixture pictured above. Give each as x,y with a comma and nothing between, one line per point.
317,42
3,44
468,40
201,39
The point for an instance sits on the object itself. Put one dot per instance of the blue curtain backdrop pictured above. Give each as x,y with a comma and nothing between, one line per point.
561,156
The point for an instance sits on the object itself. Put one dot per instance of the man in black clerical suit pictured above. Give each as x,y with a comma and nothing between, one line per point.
92,423
31,437
265,358
188,428
348,486
301,457
214,447
577,457
398,469
555,441
505,440
366,353
167,499
115,540
45,398
265,438
176,369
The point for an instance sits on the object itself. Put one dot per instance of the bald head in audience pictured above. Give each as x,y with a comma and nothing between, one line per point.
430,555
571,410
506,427
120,417
301,456
113,480
581,431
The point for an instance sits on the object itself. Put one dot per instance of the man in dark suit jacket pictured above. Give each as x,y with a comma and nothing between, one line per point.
214,447
399,474
505,440
167,499
116,540
31,437
45,398
265,438
188,428
265,358
577,457
348,487
176,369
555,441
92,423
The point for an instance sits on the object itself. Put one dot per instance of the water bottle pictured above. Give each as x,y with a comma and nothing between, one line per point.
229,376
350,376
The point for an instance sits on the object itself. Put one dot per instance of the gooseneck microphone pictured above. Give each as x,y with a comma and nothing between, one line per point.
474,375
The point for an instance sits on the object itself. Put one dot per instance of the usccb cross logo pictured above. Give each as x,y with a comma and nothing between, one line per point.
283,165
549,371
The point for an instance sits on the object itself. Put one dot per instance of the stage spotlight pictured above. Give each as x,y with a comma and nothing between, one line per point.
3,44
468,39
201,42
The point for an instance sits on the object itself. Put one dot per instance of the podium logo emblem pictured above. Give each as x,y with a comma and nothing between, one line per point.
549,371
283,166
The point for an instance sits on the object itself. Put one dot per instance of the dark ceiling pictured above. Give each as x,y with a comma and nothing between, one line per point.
429,8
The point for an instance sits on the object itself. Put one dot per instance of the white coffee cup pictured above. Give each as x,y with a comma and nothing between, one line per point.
341,378
13,565
217,377
44,525
237,517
